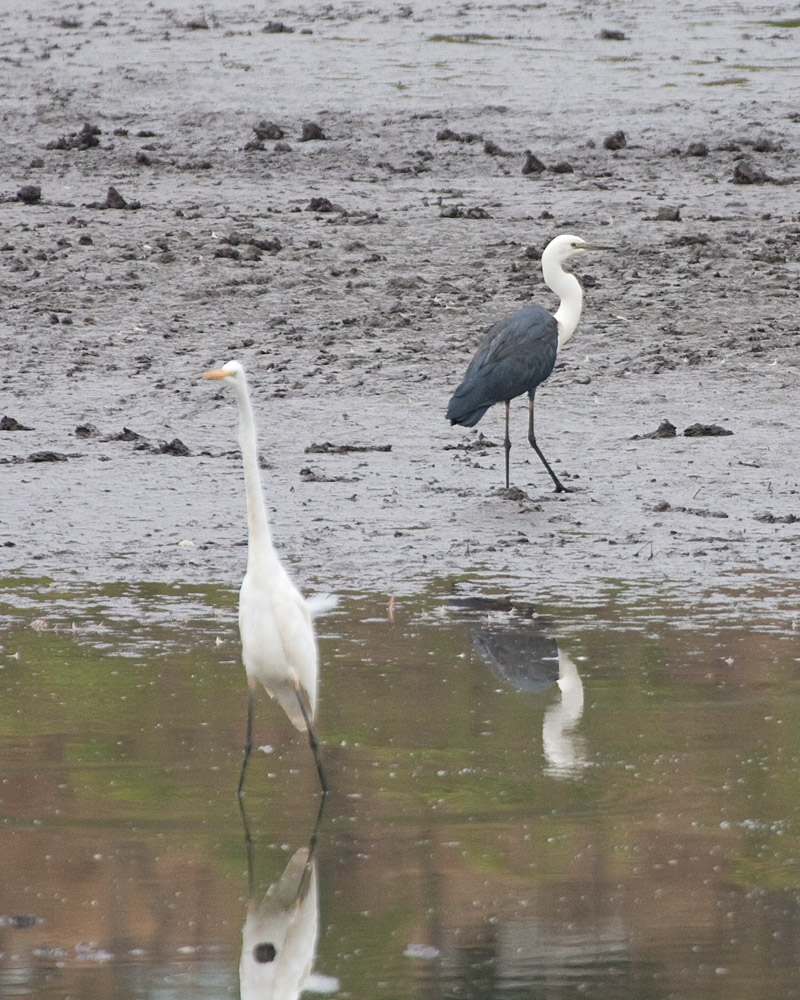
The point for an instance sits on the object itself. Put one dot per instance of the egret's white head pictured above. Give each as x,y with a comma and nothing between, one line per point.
232,370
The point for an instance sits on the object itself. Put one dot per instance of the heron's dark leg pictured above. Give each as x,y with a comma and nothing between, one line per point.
508,439
560,487
248,746
312,742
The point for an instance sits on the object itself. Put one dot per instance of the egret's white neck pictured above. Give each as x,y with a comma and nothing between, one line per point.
568,289
259,543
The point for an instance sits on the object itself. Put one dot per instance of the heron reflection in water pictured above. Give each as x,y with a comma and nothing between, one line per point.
530,661
280,932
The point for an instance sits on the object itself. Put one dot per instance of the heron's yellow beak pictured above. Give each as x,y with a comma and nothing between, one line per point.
217,373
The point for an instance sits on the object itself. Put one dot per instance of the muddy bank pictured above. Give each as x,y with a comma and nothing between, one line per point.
342,206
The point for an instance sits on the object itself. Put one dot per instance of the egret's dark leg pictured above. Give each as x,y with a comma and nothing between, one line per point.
248,846
312,742
248,746
508,440
560,487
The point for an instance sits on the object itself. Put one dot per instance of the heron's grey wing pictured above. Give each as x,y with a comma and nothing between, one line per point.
519,351
517,354
528,660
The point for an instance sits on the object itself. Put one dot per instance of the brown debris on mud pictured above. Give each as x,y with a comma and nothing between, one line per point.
354,270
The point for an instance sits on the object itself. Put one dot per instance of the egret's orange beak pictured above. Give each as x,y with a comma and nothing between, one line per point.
216,373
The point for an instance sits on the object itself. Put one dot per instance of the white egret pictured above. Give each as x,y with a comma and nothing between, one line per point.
279,648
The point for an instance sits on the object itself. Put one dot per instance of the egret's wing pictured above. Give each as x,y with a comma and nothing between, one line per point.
278,643
300,652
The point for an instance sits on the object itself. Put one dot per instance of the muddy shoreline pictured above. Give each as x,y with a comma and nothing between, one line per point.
353,275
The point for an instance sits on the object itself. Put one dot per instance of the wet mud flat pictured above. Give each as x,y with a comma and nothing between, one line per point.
336,197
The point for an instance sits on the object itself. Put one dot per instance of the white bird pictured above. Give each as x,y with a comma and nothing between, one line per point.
279,648
519,352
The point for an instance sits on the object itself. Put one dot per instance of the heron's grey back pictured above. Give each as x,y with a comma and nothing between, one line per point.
517,354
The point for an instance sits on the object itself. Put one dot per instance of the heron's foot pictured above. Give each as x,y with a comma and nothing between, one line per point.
561,488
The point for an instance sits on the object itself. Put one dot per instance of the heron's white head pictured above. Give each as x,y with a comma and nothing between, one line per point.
232,370
565,246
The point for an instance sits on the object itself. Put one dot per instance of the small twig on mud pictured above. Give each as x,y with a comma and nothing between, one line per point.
636,553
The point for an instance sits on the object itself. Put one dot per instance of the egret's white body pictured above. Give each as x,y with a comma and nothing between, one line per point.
279,648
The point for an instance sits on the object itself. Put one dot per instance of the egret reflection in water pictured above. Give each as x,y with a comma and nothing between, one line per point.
531,661
280,932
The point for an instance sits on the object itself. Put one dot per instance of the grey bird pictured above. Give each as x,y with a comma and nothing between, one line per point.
519,352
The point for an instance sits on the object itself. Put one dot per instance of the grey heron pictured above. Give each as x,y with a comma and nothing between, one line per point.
518,352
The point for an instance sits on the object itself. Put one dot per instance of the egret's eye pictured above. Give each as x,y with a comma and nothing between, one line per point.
264,952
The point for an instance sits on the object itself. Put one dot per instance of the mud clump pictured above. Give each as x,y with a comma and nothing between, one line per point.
29,194
706,430
126,434
47,456
459,212
264,131
174,447
327,448
10,424
492,149
664,430
114,200
448,135
87,138
311,132
321,205
532,164
615,141
768,518
746,172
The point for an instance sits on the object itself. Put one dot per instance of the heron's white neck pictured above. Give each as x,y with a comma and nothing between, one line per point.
568,289
259,546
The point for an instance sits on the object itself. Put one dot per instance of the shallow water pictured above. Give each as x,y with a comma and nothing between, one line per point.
635,833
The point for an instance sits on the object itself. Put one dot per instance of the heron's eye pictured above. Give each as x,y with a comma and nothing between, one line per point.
264,952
